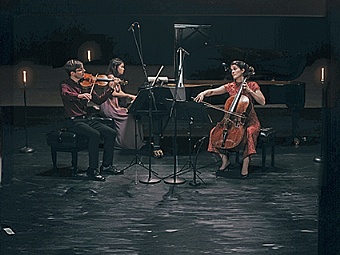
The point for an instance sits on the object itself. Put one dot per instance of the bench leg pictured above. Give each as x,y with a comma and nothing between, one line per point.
264,155
54,160
273,156
237,157
74,162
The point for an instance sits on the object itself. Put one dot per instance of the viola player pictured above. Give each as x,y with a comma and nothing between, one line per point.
239,71
75,106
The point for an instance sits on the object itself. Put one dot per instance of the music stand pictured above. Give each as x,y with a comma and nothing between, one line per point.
138,107
136,160
190,111
182,52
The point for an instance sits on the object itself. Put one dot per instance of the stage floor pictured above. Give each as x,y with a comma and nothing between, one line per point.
272,212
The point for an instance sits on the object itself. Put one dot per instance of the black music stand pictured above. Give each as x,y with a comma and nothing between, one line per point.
190,111
136,160
174,179
141,106
149,101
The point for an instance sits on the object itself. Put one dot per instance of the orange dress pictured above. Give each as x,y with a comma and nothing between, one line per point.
252,124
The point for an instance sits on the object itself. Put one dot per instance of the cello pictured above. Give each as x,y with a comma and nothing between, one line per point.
229,133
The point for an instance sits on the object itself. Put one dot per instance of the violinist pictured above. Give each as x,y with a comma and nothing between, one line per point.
239,71
114,108
75,106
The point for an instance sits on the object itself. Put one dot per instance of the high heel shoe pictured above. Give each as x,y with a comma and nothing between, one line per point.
226,167
244,176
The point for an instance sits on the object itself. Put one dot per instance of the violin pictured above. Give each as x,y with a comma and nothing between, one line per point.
100,79
89,80
229,133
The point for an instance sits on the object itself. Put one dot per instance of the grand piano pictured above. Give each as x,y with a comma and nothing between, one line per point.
290,94
276,73
276,70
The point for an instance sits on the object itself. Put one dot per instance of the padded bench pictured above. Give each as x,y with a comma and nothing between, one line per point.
66,141
265,140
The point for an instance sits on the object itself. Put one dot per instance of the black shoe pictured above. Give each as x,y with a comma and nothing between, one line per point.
226,168
111,170
244,176
95,176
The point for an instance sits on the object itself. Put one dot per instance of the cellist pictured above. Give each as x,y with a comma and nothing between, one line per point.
239,71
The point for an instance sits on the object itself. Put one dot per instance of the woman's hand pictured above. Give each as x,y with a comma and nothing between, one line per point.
246,88
199,98
114,84
132,97
118,88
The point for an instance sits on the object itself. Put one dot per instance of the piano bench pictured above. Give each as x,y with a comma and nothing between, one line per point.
265,140
66,141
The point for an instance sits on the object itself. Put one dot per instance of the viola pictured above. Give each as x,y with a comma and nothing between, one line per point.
229,133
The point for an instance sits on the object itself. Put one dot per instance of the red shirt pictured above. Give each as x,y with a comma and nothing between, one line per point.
73,106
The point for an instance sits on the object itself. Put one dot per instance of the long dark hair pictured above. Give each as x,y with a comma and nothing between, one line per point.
113,65
249,70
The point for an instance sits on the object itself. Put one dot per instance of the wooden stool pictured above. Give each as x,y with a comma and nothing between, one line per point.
66,141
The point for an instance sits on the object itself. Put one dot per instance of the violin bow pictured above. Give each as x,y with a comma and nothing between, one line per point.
93,86
221,109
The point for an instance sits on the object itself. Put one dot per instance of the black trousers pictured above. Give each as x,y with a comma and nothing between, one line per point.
94,131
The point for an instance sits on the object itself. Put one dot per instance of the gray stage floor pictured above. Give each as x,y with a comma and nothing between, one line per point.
271,212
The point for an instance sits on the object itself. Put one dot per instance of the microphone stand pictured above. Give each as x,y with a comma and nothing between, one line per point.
26,149
175,179
149,179
139,50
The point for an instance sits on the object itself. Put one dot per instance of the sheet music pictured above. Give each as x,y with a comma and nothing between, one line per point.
158,74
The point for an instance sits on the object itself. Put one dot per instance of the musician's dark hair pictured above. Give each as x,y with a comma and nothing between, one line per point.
113,65
248,70
72,65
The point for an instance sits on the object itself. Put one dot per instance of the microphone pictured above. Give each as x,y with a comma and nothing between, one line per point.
225,66
181,49
132,25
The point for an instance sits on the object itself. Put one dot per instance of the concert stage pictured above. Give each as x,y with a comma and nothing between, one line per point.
272,212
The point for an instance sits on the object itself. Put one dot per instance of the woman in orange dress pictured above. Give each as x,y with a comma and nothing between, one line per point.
239,70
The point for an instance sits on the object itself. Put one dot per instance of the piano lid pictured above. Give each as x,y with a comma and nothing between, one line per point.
184,26
283,68
268,64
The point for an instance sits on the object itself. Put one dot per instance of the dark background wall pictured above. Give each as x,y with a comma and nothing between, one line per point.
50,32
